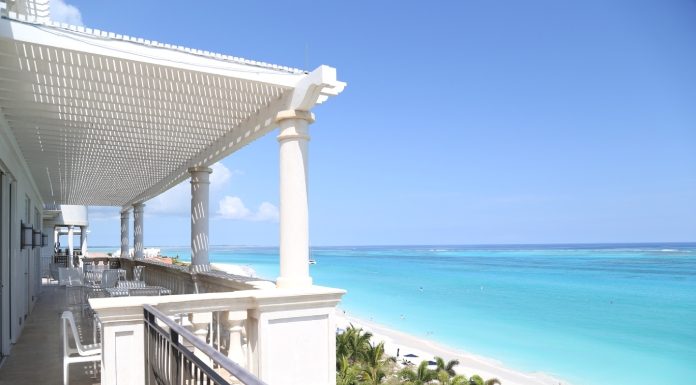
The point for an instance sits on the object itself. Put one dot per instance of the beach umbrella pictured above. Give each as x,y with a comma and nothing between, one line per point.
410,355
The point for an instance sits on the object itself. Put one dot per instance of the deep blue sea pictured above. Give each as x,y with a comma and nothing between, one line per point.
590,314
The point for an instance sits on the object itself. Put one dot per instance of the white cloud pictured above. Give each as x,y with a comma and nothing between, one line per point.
65,13
267,212
221,175
177,200
231,207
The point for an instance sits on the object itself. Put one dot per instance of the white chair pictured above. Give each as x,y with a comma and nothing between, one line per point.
81,353
143,291
53,268
130,284
71,278
109,278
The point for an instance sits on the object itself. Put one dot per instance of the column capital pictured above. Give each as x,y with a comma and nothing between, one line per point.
196,169
295,114
293,127
138,207
125,214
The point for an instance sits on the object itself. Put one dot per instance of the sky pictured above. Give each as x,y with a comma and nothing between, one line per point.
463,122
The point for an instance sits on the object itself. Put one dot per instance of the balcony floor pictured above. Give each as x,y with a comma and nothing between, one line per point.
37,358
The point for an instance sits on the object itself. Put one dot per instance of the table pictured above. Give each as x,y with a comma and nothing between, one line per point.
123,291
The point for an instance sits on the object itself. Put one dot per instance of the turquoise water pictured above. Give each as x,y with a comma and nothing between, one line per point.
620,314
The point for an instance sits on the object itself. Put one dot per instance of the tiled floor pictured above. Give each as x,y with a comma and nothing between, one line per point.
37,358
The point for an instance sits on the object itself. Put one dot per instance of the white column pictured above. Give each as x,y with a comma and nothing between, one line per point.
138,230
70,245
56,238
294,215
83,240
200,187
125,242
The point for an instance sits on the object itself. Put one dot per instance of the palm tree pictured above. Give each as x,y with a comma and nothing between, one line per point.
444,378
476,380
353,344
374,356
448,367
492,381
347,373
421,376
376,364
372,375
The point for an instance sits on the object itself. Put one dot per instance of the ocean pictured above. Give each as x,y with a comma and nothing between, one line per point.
589,314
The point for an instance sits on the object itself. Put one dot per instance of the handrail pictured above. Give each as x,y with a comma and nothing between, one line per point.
243,375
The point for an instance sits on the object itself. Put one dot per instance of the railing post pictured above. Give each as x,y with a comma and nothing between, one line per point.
150,348
175,367
123,347
234,324
283,322
200,322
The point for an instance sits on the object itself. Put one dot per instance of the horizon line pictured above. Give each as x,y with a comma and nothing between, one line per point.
446,244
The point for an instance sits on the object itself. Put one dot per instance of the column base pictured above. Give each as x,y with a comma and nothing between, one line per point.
292,282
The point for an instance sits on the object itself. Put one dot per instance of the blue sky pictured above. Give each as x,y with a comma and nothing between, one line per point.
464,122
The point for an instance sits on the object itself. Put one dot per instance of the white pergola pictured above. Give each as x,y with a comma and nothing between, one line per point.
108,119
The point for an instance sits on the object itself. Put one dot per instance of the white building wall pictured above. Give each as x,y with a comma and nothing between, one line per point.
18,267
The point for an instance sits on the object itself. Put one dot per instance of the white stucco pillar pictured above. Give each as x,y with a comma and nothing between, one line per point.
122,338
125,242
138,230
280,323
71,233
200,188
294,214
83,240
56,238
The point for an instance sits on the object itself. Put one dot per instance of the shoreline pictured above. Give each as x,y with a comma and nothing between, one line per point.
235,269
469,363
404,343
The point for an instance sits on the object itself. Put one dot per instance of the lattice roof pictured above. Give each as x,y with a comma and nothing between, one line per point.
105,119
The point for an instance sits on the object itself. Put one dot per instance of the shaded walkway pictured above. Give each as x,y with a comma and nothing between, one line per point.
37,358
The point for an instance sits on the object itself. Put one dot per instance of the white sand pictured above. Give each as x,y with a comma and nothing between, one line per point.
229,268
469,364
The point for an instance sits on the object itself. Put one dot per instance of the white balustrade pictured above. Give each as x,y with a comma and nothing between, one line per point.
180,280
289,333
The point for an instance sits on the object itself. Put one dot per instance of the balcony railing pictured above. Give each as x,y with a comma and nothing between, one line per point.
180,280
280,336
169,359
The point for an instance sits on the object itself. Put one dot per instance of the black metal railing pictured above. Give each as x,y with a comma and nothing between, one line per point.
170,361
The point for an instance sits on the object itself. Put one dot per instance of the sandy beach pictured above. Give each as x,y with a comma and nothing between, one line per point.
241,270
469,364
403,343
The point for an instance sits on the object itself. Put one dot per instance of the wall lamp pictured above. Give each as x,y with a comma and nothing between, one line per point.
26,236
36,239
